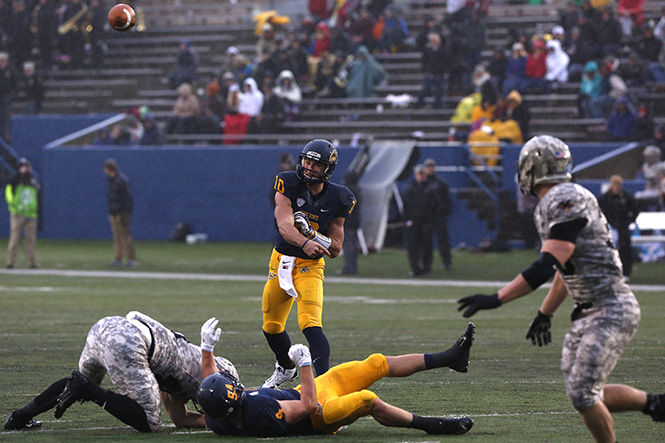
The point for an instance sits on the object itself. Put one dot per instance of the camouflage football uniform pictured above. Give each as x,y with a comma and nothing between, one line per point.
606,311
143,357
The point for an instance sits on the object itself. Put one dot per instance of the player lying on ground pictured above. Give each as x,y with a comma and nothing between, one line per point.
324,404
578,251
148,365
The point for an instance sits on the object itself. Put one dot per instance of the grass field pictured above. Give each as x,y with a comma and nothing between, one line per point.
513,391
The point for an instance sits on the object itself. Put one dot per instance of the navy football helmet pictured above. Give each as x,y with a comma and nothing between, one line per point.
320,151
220,395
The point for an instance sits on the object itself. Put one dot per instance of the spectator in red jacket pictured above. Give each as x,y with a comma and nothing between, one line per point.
631,13
322,42
536,67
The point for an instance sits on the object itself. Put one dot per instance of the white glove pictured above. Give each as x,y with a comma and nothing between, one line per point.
299,354
210,336
301,222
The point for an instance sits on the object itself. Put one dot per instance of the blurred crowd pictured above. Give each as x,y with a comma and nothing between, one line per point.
54,33
328,54
612,52
37,36
617,58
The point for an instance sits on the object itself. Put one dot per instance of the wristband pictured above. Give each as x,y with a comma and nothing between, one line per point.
309,363
205,347
303,245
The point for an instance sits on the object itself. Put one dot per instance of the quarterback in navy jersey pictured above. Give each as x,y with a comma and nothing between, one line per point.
309,220
321,405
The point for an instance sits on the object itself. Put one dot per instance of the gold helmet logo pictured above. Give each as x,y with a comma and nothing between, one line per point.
333,156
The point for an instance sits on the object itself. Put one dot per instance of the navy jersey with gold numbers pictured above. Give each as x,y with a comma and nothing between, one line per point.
261,416
332,202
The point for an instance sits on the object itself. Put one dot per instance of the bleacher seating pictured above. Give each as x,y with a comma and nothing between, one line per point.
137,63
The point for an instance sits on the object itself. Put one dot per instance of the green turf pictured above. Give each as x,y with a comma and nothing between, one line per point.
513,390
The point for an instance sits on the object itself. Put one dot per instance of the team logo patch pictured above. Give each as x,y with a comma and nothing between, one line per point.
271,275
333,156
558,153
300,202
304,269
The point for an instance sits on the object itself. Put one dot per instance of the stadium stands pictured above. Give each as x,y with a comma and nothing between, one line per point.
137,64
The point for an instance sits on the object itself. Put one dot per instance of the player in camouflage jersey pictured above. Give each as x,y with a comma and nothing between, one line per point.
577,250
148,365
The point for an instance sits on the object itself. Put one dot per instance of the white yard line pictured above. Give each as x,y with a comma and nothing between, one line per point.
262,278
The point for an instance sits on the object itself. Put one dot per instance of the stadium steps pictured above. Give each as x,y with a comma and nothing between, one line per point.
137,64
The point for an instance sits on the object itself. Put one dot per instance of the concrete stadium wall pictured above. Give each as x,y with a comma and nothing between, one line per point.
222,191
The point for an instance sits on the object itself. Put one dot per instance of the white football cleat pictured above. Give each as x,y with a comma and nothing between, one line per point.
280,376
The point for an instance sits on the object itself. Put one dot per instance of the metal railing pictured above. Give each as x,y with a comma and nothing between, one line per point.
9,158
471,172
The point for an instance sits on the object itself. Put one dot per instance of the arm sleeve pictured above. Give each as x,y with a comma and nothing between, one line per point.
567,231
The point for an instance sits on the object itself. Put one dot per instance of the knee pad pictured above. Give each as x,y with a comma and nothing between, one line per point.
367,398
273,327
378,362
348,408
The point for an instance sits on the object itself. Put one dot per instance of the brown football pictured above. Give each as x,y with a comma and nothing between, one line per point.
122,17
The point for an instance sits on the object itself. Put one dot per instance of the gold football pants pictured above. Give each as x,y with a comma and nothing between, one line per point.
276,304
343,395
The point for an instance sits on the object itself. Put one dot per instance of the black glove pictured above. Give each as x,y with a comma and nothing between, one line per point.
539,330
477,302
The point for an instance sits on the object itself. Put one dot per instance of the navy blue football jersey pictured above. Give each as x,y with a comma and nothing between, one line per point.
332,202
261,416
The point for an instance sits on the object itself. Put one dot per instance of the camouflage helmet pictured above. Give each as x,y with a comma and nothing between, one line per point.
543,159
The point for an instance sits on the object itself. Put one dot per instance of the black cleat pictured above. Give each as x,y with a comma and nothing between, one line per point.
452,426
74,390
15,422
463,346
656,407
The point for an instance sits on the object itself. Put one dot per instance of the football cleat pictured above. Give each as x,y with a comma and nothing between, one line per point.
74,390
452,426
17,423
280,376
463,346
656,407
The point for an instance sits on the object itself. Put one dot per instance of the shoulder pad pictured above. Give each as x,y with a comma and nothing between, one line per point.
567,201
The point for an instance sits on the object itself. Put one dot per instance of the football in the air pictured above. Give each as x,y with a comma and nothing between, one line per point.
122,17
